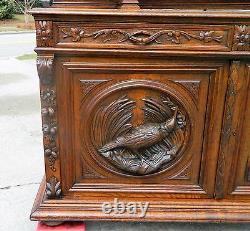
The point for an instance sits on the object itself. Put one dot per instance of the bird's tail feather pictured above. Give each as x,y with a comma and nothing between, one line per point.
108,147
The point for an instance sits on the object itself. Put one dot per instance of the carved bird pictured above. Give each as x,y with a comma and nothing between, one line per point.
142,136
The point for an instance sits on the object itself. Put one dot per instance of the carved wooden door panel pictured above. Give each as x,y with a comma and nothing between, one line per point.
233,174
130,126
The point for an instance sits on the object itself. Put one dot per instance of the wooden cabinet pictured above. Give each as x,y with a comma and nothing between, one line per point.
144,106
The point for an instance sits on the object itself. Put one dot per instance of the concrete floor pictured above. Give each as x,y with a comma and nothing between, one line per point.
21,155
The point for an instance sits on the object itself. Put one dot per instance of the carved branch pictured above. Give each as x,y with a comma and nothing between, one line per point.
48,110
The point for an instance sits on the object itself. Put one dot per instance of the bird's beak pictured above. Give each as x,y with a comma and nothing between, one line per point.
171,122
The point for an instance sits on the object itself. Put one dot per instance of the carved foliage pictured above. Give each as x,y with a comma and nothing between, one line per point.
140,37
44,33
44,68
241,38
48,101
53,188
143,149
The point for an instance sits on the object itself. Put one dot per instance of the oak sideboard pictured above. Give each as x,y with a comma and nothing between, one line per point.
144,102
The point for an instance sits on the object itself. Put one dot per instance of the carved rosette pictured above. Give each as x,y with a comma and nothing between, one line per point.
44,33
139,149
241,38
140,37
53,188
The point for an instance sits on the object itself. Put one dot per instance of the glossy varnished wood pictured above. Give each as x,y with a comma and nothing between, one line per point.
187,60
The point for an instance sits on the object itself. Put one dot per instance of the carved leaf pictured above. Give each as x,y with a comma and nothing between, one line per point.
53,188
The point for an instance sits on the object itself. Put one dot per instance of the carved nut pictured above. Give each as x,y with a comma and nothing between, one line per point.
48,111
53,131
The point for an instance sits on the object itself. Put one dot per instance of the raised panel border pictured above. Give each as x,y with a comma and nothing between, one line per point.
218,73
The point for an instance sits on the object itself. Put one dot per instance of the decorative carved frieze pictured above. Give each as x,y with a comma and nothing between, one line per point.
140,37
53,188
44,33
141,149
241,38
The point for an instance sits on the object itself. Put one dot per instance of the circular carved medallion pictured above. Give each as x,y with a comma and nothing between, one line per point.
138,127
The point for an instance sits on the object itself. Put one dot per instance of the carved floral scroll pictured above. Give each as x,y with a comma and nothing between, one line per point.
140,37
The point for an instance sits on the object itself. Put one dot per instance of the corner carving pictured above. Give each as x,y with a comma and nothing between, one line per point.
53,188
140,37
44,33
183,174
241,40
142,149
89,173
88,85
192,86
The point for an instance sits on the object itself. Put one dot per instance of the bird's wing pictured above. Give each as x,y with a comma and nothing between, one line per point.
138,137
